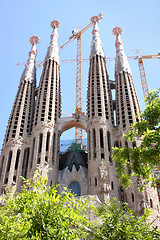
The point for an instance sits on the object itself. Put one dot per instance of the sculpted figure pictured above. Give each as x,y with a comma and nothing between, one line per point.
103,171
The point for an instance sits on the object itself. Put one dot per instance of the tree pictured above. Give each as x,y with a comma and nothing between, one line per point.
118,222
142,159
42,213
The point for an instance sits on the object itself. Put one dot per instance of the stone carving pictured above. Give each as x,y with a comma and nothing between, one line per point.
103,171
104,187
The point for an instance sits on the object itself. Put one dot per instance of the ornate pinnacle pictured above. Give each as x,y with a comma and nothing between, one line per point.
55,24
95,19
53,50
34,39
28,73
117,30
121,63
96,45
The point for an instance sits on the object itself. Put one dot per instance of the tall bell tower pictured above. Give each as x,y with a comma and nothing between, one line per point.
45,136
100,119
16,146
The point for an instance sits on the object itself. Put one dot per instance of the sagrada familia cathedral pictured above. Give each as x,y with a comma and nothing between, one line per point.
35,125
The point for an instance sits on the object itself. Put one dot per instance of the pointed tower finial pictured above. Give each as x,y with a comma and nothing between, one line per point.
34,40
117,31
96,45
55,24
53,50
29,70
121,63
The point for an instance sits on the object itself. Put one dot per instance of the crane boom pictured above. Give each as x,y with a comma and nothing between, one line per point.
143,75
142,71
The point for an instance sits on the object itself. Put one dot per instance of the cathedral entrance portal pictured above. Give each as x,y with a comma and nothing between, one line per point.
75,188
73,166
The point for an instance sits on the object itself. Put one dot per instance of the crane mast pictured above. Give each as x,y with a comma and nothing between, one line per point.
79,131
77,34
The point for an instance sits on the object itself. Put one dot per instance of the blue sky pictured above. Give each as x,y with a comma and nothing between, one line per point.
20,19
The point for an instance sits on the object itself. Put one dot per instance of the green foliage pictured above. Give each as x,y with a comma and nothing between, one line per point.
142,159
42,213
118,222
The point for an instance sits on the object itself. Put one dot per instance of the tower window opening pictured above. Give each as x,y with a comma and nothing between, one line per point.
32,155
25,162
96,182
17,159
9,161
94,143
40,143
47,141
102,155
112,186
116,144
14,178
6,180
39,160
151,203
2,162
109,141
110,159
101,138
132,197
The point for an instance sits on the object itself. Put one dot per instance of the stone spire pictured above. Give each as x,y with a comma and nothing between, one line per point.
100,119
30,68
48,104
96,45
53,50
121,59
127,104
15,151
45,141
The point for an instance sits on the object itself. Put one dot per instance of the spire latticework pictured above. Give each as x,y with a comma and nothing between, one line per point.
20,125
100,115
127,104
45,140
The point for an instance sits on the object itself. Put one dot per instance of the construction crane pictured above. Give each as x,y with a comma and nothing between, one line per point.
142,71
77,34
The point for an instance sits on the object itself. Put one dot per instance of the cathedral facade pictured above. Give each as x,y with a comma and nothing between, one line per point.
35,125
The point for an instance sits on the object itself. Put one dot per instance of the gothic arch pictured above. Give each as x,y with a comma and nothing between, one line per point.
67,123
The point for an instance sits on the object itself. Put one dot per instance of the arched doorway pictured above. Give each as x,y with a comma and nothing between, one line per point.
75,188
